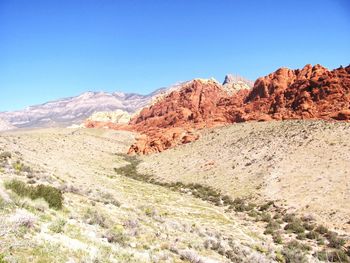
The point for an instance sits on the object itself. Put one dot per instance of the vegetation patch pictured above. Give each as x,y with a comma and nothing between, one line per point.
295,227
334,240
50,194
293,251
58,225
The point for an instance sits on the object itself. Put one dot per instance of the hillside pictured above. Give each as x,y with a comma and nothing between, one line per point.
107,216
303,165
112,210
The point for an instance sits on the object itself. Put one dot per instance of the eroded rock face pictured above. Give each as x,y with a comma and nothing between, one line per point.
313,92
176,119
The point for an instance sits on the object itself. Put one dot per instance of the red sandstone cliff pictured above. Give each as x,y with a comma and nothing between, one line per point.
309,93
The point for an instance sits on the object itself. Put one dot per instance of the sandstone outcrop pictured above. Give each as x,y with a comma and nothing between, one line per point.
118,116
312,92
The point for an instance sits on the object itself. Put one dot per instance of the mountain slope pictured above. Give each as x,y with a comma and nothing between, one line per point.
5,125
74,110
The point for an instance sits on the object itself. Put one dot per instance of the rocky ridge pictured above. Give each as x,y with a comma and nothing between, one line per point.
313,92
74,110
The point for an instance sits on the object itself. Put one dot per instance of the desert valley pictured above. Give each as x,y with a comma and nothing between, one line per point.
200,171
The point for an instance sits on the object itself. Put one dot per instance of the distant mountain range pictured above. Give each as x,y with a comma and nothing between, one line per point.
74,110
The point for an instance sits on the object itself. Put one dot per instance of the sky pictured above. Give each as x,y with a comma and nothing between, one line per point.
51,49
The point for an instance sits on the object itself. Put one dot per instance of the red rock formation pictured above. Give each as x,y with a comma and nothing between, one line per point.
309,93
175,119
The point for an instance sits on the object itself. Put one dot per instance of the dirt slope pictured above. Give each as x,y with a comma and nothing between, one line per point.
107,217
304,164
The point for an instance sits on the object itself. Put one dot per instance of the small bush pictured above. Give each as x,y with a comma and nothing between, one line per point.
333,256
2,259
334,240
266,217
297,245
301,236
17,166
277,216
277,238
313,235
295,227
116,236
309,226
271,227
227,200
289,218
92,217
51,195
320,241
266,206
58,225
253,213
321,229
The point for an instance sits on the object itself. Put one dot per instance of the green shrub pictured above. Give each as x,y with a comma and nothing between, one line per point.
277,216
266,206
321,229
321,255
332,256
266,217
294,256
227,200
2,259
297,245
277,238
320,241
295,227
289,218
116,235
238,205
130,170
58,225
301,236
50,194
253,213
313,235
93,217
279,257
309,226
334,240
17,166
271,227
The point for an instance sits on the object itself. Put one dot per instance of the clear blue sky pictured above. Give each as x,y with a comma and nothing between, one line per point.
58,48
